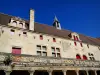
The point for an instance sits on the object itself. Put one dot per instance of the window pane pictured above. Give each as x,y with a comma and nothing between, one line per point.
75,44
16,50
54,40
53,49
53,54
58,55
12,31
93,58
90,58
41,37
44,48
14,23
44,54
38,47
39,53
57,49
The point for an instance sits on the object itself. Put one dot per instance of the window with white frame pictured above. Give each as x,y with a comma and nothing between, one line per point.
55,52
21,25
41,50
14,23
12,31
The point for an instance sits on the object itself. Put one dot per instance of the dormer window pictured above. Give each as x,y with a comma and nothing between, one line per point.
21,25
14,23
77,38
12,31
54,40
41,37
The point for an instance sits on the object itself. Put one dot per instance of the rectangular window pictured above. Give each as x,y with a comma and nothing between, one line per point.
25,34
57,49
74,37
53,54
58,54
12,31
44,54
44,48
81,44
53,49
38,47
39,53
41,37
88,45
16,50
41,50
54,40
75,44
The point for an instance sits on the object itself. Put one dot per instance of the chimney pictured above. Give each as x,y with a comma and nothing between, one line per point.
31,25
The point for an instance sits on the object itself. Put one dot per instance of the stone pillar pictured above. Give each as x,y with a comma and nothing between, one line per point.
95,72
77,72
31,72
64,72
7,72
50,72
87,73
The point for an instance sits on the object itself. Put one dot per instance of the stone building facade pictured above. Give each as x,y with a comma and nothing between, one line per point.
28,47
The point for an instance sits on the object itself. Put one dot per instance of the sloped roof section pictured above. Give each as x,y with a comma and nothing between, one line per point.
42,28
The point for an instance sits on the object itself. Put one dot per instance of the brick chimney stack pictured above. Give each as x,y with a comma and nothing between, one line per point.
31,25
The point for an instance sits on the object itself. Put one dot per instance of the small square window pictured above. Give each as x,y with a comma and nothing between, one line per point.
44,54
38,47
54,40
53,54
44,48
41,37
57,49
53,49
39,53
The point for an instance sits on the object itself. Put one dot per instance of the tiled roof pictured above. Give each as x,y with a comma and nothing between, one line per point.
42,28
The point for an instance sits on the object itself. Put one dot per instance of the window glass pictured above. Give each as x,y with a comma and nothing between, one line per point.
44,54
38,47
44,48
39,53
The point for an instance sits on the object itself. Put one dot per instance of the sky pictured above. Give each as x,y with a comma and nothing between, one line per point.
81,16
